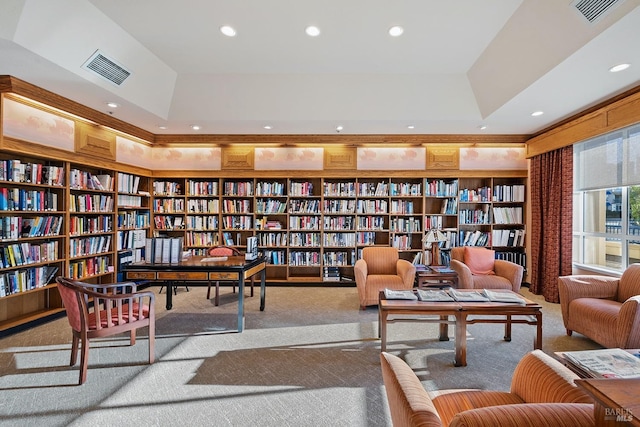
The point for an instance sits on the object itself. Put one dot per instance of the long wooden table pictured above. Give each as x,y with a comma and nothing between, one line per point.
457,313
197,271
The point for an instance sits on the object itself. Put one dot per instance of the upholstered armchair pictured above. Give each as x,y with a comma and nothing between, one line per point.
381,267
542,393
604,309
477,268
104,310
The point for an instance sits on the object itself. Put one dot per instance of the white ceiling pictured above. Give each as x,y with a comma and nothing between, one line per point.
459,64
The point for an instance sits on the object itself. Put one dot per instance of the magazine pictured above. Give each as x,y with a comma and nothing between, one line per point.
434,295
606,363
441,269
469,296
503,296
392,294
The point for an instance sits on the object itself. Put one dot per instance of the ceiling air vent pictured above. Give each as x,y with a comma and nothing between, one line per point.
593,10
106,68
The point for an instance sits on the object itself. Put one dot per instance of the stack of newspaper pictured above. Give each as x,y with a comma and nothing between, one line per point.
606,363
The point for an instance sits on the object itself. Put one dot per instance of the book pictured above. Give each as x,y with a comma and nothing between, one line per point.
441,269
406,295
434,295
606,363
503,296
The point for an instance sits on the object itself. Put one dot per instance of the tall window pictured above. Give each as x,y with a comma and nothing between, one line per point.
606,217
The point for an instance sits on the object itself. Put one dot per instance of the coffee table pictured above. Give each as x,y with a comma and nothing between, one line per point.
392,311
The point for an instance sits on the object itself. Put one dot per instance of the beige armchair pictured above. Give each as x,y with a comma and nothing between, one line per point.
381,267
477,268
542,393
604,309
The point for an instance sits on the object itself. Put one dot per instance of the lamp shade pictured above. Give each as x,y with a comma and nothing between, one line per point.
434,236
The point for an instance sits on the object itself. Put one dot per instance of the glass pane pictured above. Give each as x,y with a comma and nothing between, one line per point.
634,251
577,212
633,195
602,252
603,211
576,253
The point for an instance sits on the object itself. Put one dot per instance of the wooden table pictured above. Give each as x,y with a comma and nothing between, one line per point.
433,277
407,310
197,272
617,401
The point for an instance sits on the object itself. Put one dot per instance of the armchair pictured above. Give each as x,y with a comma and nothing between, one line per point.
381,267
477,268
116,308
604,309
542,393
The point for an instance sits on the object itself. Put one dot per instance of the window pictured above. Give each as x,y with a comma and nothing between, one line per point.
606,217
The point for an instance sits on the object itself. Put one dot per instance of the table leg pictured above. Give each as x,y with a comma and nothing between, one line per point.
444,328
169,295
461,340
263,288
507,328
382,329
241,303
538,343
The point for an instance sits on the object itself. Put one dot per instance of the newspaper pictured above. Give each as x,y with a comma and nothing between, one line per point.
606,363
503,296
393,294
468,296
434,295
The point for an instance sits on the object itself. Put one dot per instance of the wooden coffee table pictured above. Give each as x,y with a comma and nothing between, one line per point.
392,311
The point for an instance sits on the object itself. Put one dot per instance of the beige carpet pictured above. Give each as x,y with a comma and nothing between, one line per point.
310,359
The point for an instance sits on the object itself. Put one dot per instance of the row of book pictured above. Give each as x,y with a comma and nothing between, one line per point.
90,245
371,222
237,222
304,223
270,206
26,279
331,274
33,173
20,199
339,258
168,222
449,206
18,254
129,200
166,188
14,227
130,239
475,216
128,183
133,219
94,224
372,206
405,189
338,223
270,189
340,206
298,206
339,189
168,205
304,258
300,188
338,239
202,222
90,267
201,238
402,207
163,250
441,188
90,203
238,188
203,206
236,205
482,194
83,180
507,215
507,237
371,189
203,188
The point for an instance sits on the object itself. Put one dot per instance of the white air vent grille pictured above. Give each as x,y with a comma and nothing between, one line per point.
106,68
593,10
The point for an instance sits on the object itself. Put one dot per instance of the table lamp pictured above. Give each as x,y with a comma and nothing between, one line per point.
434,237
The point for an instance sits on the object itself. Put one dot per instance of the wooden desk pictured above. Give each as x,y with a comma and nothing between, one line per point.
202,273
617,401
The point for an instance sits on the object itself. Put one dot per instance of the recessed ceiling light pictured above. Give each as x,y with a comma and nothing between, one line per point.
268,127
396,31
411,127
312,31
228,31
537,113
163,127
619,67
482,127
195,127
112,105
339,128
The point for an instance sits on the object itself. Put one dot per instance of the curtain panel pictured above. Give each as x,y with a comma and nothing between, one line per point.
551,220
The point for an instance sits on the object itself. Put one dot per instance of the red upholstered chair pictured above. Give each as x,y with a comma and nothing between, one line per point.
477,268
222,250
103,310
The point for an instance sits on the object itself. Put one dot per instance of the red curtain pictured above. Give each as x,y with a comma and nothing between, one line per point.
551,220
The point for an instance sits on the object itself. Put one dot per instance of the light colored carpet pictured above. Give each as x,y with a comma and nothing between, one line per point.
310,359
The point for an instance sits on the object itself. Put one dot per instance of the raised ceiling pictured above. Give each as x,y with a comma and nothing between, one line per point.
458,65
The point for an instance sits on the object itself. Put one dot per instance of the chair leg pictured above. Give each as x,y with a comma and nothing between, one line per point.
569,332
152,340
132,337
217,300
252,283
84,360
74,350
209,291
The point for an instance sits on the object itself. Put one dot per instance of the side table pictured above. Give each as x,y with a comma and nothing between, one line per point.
437,276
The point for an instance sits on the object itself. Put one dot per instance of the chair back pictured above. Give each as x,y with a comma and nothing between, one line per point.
457,253
629,283
73,301
222,250
381,259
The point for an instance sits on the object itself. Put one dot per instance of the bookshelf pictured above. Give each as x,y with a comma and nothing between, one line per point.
133,220
33,237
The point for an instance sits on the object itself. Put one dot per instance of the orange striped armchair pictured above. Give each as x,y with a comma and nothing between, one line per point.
381,267
604,309
542,393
